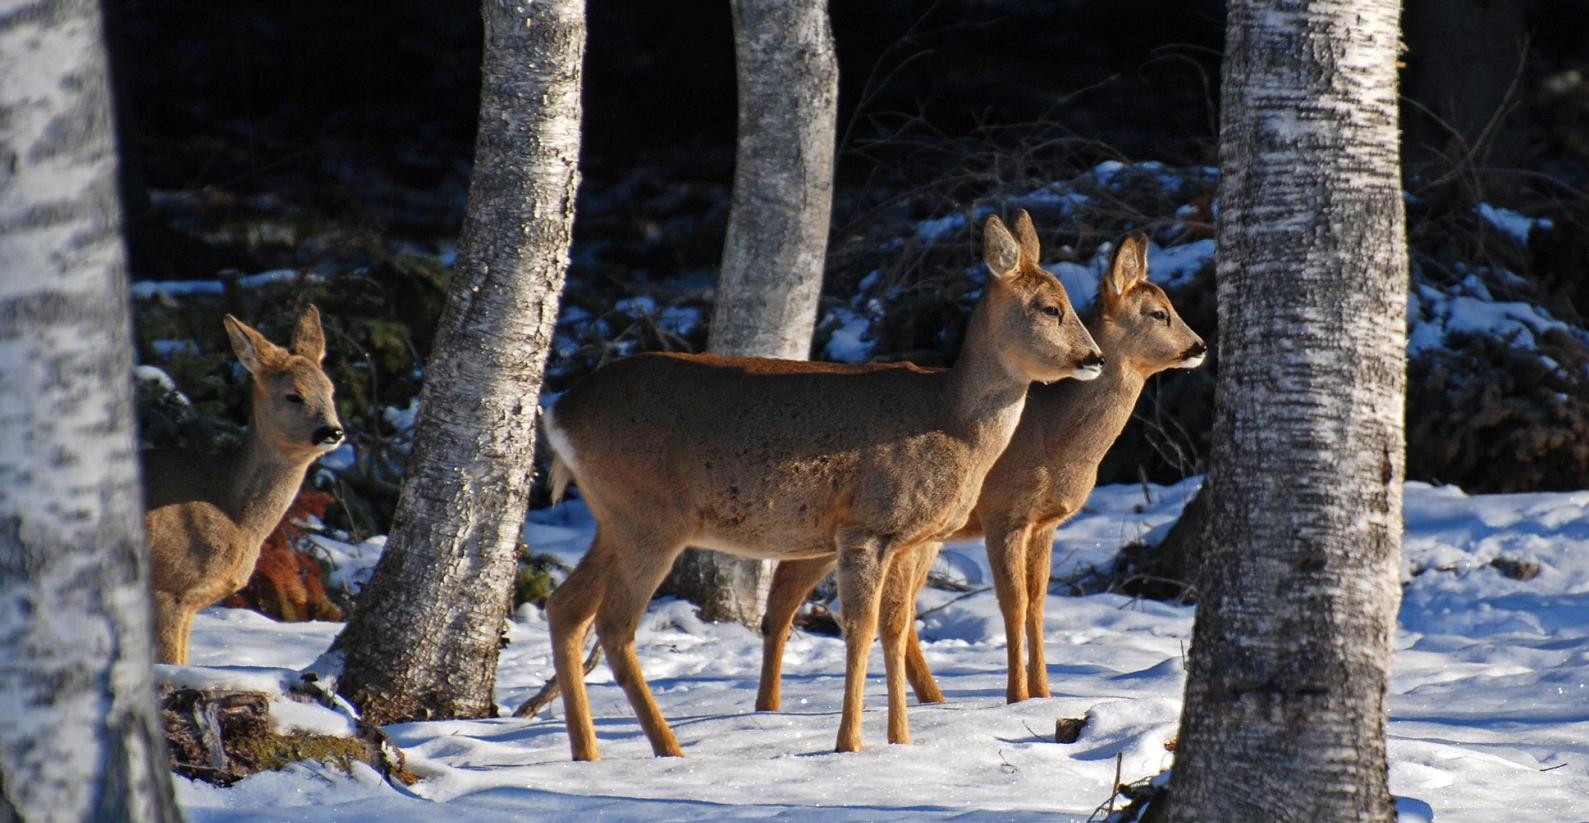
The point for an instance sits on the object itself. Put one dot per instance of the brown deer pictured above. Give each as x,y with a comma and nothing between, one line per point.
1039,482
783,459
206,514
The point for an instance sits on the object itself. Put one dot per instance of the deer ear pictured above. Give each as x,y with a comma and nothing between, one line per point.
1026,235
999,249
1129,268
252,349
308,339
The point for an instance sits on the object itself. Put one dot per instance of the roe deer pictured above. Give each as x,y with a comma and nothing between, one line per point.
1038,483
206,515
785,459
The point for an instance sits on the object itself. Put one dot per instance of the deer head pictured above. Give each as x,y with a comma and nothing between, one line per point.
1038,330
292,406
1140,326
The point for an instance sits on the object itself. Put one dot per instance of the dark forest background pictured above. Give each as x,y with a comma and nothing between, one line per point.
335,139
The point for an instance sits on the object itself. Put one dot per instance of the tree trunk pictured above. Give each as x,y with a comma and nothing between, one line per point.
424,637
771,276
80,737
1284,717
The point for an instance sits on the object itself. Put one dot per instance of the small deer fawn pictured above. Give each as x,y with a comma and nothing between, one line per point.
206,515
783,459
1038,483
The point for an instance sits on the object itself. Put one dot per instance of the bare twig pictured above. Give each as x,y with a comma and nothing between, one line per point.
955,599
548,692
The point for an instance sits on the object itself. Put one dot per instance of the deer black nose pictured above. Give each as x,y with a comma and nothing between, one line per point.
1197,350
1092,361
327,436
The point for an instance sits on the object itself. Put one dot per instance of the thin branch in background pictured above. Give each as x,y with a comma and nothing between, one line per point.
951,601
548,691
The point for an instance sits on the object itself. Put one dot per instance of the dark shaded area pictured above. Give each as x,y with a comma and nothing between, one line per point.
362,114
336,140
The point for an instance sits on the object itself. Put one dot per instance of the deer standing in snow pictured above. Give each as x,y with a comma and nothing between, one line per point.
784,460
1039,482
206,515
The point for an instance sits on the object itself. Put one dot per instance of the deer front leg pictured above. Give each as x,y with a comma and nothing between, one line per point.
862,566
1006,556
1039,562
791,585
921,679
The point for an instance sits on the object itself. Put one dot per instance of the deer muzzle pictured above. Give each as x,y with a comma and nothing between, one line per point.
327,436
1089,367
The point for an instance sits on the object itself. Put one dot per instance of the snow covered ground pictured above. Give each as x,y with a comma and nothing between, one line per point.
1489,707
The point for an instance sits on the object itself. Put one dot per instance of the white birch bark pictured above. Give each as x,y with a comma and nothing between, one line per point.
80,732
771,277
1284,717
423,640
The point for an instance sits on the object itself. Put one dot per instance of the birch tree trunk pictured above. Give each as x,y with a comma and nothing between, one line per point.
80,733
1284,717
423,640
771,277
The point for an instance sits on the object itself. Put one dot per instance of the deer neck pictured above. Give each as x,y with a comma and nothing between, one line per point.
264,482
986,394
1095,412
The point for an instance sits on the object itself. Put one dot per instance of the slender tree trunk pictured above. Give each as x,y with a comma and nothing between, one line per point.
80,733
777,241
424,637
1284,717
771,277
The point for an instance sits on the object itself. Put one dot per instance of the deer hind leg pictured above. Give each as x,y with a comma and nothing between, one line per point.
791,585
169,640
1006,556
569,612
629,588
185,632
1039,560
921,679
863,565
896,617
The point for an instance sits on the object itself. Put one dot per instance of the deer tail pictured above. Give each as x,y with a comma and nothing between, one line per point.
561,474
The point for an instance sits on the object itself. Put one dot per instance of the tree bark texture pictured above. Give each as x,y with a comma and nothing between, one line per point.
771,277
80,733
424,637
1284,717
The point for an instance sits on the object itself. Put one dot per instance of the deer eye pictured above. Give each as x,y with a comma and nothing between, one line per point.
295,399
1051,311
1160,315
